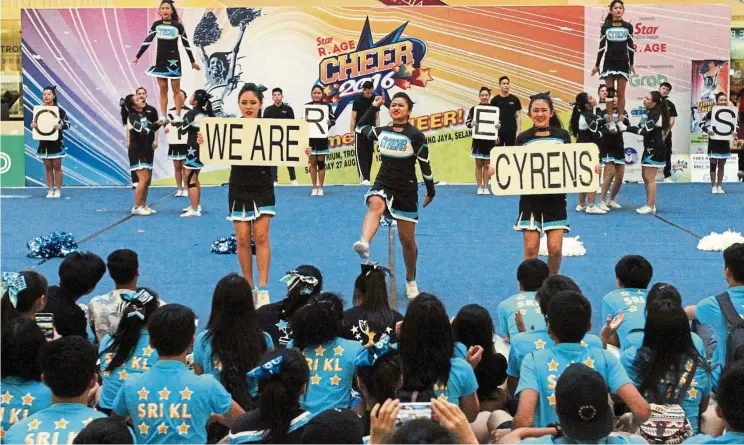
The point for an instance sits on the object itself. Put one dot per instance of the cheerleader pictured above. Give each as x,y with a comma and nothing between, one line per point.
616,45
652,127
177,152
52,152
718,151
602,98
395,191
319,146
141,151
481,149
190,124
585,126
612,156
168,61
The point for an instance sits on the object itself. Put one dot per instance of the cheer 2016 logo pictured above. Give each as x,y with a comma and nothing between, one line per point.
392,61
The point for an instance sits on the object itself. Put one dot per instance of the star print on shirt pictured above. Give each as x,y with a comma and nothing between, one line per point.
319,351
28,399
186,393
354,329
539,344
143,428
6,398
183,428
624,294
692,393
589,362
282,325
192,151
164,393
87,421
523,311
633,309
61,424
123,374
147,350
143,393
34,425
335,379
315,380
338,350
551,399
162,428
520,298
553,365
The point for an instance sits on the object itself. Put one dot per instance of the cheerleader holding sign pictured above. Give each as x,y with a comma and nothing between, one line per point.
52,152
616,45
168,62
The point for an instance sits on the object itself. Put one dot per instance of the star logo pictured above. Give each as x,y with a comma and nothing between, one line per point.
192,151
28,399
640,292
106,373
319,351
403,71
147,351
583,343
338,350
183,428
633,309
589,362
162,428
315,380
87,421
520,297
421,76
354,329
123,374
164,393
34,424
553,365
6,398
523,311
335,379
624,294
551,399
186,394
692,393
173,62
539,344
61,424
143,393
282,325
143,428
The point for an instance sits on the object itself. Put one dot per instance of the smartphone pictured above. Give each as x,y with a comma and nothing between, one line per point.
46,323
411,411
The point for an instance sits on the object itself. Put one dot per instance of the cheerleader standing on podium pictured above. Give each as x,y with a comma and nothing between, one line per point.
585,126
718,151
481,149
319,146
168,31
52,152
191,124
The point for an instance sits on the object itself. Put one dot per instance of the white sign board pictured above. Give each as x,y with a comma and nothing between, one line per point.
46,119
485,118
723,123
317,120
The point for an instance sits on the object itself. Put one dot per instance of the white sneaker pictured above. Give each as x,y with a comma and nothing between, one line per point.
412,290
612,127
190,212
176,118
580,208
141,211
152,211
720,190
314,192
320,192
50,194
613,204
276,182
714,190
646,210
293,182
361,247
594,210
603,206
57,193
254,293
135,184
621,127
480,191
668,180
365,182
262,298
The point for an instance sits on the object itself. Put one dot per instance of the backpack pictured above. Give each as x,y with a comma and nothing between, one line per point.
735,325
668,423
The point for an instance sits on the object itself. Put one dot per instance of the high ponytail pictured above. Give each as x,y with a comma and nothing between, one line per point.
578,108
139,307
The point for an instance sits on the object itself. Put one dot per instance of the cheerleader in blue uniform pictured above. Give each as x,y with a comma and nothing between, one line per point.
141,151
395,192
52,152
168,31
612,156
718,151
319,146
191,124
481,149
652,127
617,48
586,128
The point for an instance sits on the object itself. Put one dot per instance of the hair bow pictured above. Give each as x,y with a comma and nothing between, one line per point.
261,88
142,296
368,357
265,371
53,88
293,278
14,283
545,95
573,104
371,266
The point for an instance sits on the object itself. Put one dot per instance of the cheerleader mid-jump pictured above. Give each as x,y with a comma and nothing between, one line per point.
395,191
616,45
168,31
52,152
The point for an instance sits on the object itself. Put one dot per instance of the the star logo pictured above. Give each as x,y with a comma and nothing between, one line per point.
539,344
6,398
173,62
692,393
520,297
123,374
164,393
523,311
335,379
551,399
319,351
354,329
183,428
633,309
583,344
143,393
61,424
28,399
553,365
143,428
315,380
106,373
338,350
87,421
589,362
282,325
624,294
147,351
34,424
192,151
162,428
186,393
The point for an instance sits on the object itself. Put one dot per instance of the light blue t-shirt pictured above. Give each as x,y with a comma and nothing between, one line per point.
526,343
613,438
633,304
525,303
461,382
541,370
708,312
59,423
461,351
19,399
140,361
700,386
203,353
331,375
171,404
725,438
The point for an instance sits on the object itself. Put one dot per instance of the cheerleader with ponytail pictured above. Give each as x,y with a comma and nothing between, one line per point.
52,152
191,124
585,127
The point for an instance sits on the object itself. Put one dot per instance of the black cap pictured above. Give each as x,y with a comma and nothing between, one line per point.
582,404
334,426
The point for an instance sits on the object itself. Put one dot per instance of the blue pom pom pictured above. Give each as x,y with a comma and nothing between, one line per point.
52,246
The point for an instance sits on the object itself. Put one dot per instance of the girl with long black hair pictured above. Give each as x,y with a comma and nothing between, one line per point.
586,128
128,351
24,295
52,152
371,317
653,125
141,151
191,124
233,342
319,146
378,375
427,350
282,378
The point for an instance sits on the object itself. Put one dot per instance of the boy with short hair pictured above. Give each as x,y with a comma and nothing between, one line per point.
633,274
730,408
169,403
530,275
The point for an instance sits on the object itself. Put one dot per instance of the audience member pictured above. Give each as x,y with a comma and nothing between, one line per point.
530,276
730,408
371,317
106,431
24,295
633,274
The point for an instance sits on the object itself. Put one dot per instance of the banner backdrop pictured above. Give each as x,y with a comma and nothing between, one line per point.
441,56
